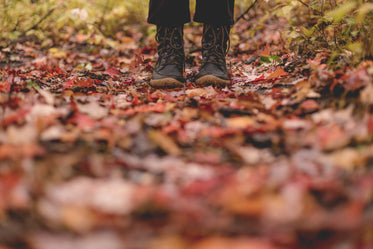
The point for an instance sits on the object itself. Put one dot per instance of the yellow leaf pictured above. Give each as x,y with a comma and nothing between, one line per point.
339,13
363,11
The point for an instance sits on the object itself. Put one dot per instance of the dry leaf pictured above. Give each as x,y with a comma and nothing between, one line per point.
164,142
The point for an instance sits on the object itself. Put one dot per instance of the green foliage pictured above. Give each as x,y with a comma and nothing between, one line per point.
59,18
342,27
100,19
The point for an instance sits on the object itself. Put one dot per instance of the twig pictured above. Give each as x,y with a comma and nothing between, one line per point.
40,21
246,11
308,6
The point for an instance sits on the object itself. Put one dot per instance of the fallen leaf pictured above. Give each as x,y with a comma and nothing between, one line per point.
240,122
233,243
279,72
95,240
332,137
109,196
112,72
164,142
366,95
309,106
5,86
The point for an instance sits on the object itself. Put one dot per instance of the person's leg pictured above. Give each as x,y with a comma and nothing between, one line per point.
215,40
169,16
214,12
168,12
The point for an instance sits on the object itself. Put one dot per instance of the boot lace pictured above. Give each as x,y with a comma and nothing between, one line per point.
215,44
171,45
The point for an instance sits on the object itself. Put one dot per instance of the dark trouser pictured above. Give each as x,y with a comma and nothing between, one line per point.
176,12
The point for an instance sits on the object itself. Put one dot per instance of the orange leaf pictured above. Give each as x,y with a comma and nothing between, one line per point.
265,52
5,86
279,72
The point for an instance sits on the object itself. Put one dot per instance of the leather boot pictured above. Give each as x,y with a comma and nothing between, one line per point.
215,45
169,69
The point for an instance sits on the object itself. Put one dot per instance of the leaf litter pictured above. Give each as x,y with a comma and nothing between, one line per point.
92,157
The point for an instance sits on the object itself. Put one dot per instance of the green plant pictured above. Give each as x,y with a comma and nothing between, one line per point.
342,27
55,18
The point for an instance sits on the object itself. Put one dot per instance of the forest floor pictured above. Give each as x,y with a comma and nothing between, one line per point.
92,157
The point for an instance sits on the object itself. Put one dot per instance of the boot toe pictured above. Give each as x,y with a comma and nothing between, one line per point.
169,76
166,83
212,80
211,74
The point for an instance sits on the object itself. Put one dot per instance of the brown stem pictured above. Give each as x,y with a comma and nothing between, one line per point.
40,21
246,11
309,7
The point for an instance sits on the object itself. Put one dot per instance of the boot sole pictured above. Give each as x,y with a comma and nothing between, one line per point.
212,80
166,83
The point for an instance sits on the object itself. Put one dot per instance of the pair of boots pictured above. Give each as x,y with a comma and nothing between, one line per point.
169,69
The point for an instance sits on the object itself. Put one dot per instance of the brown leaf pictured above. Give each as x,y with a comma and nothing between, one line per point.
240,122
366,95
164,142
168,242
233,243
77,218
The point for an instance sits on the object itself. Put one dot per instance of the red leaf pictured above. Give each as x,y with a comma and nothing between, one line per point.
70,83
5,86
201,187
14,118
85,122
76,82
112,72
309,106
370,125
84,83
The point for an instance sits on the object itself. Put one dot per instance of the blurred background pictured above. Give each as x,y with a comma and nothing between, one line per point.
338,26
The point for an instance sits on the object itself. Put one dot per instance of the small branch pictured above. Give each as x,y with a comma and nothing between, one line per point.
40,21
246,11
309,7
